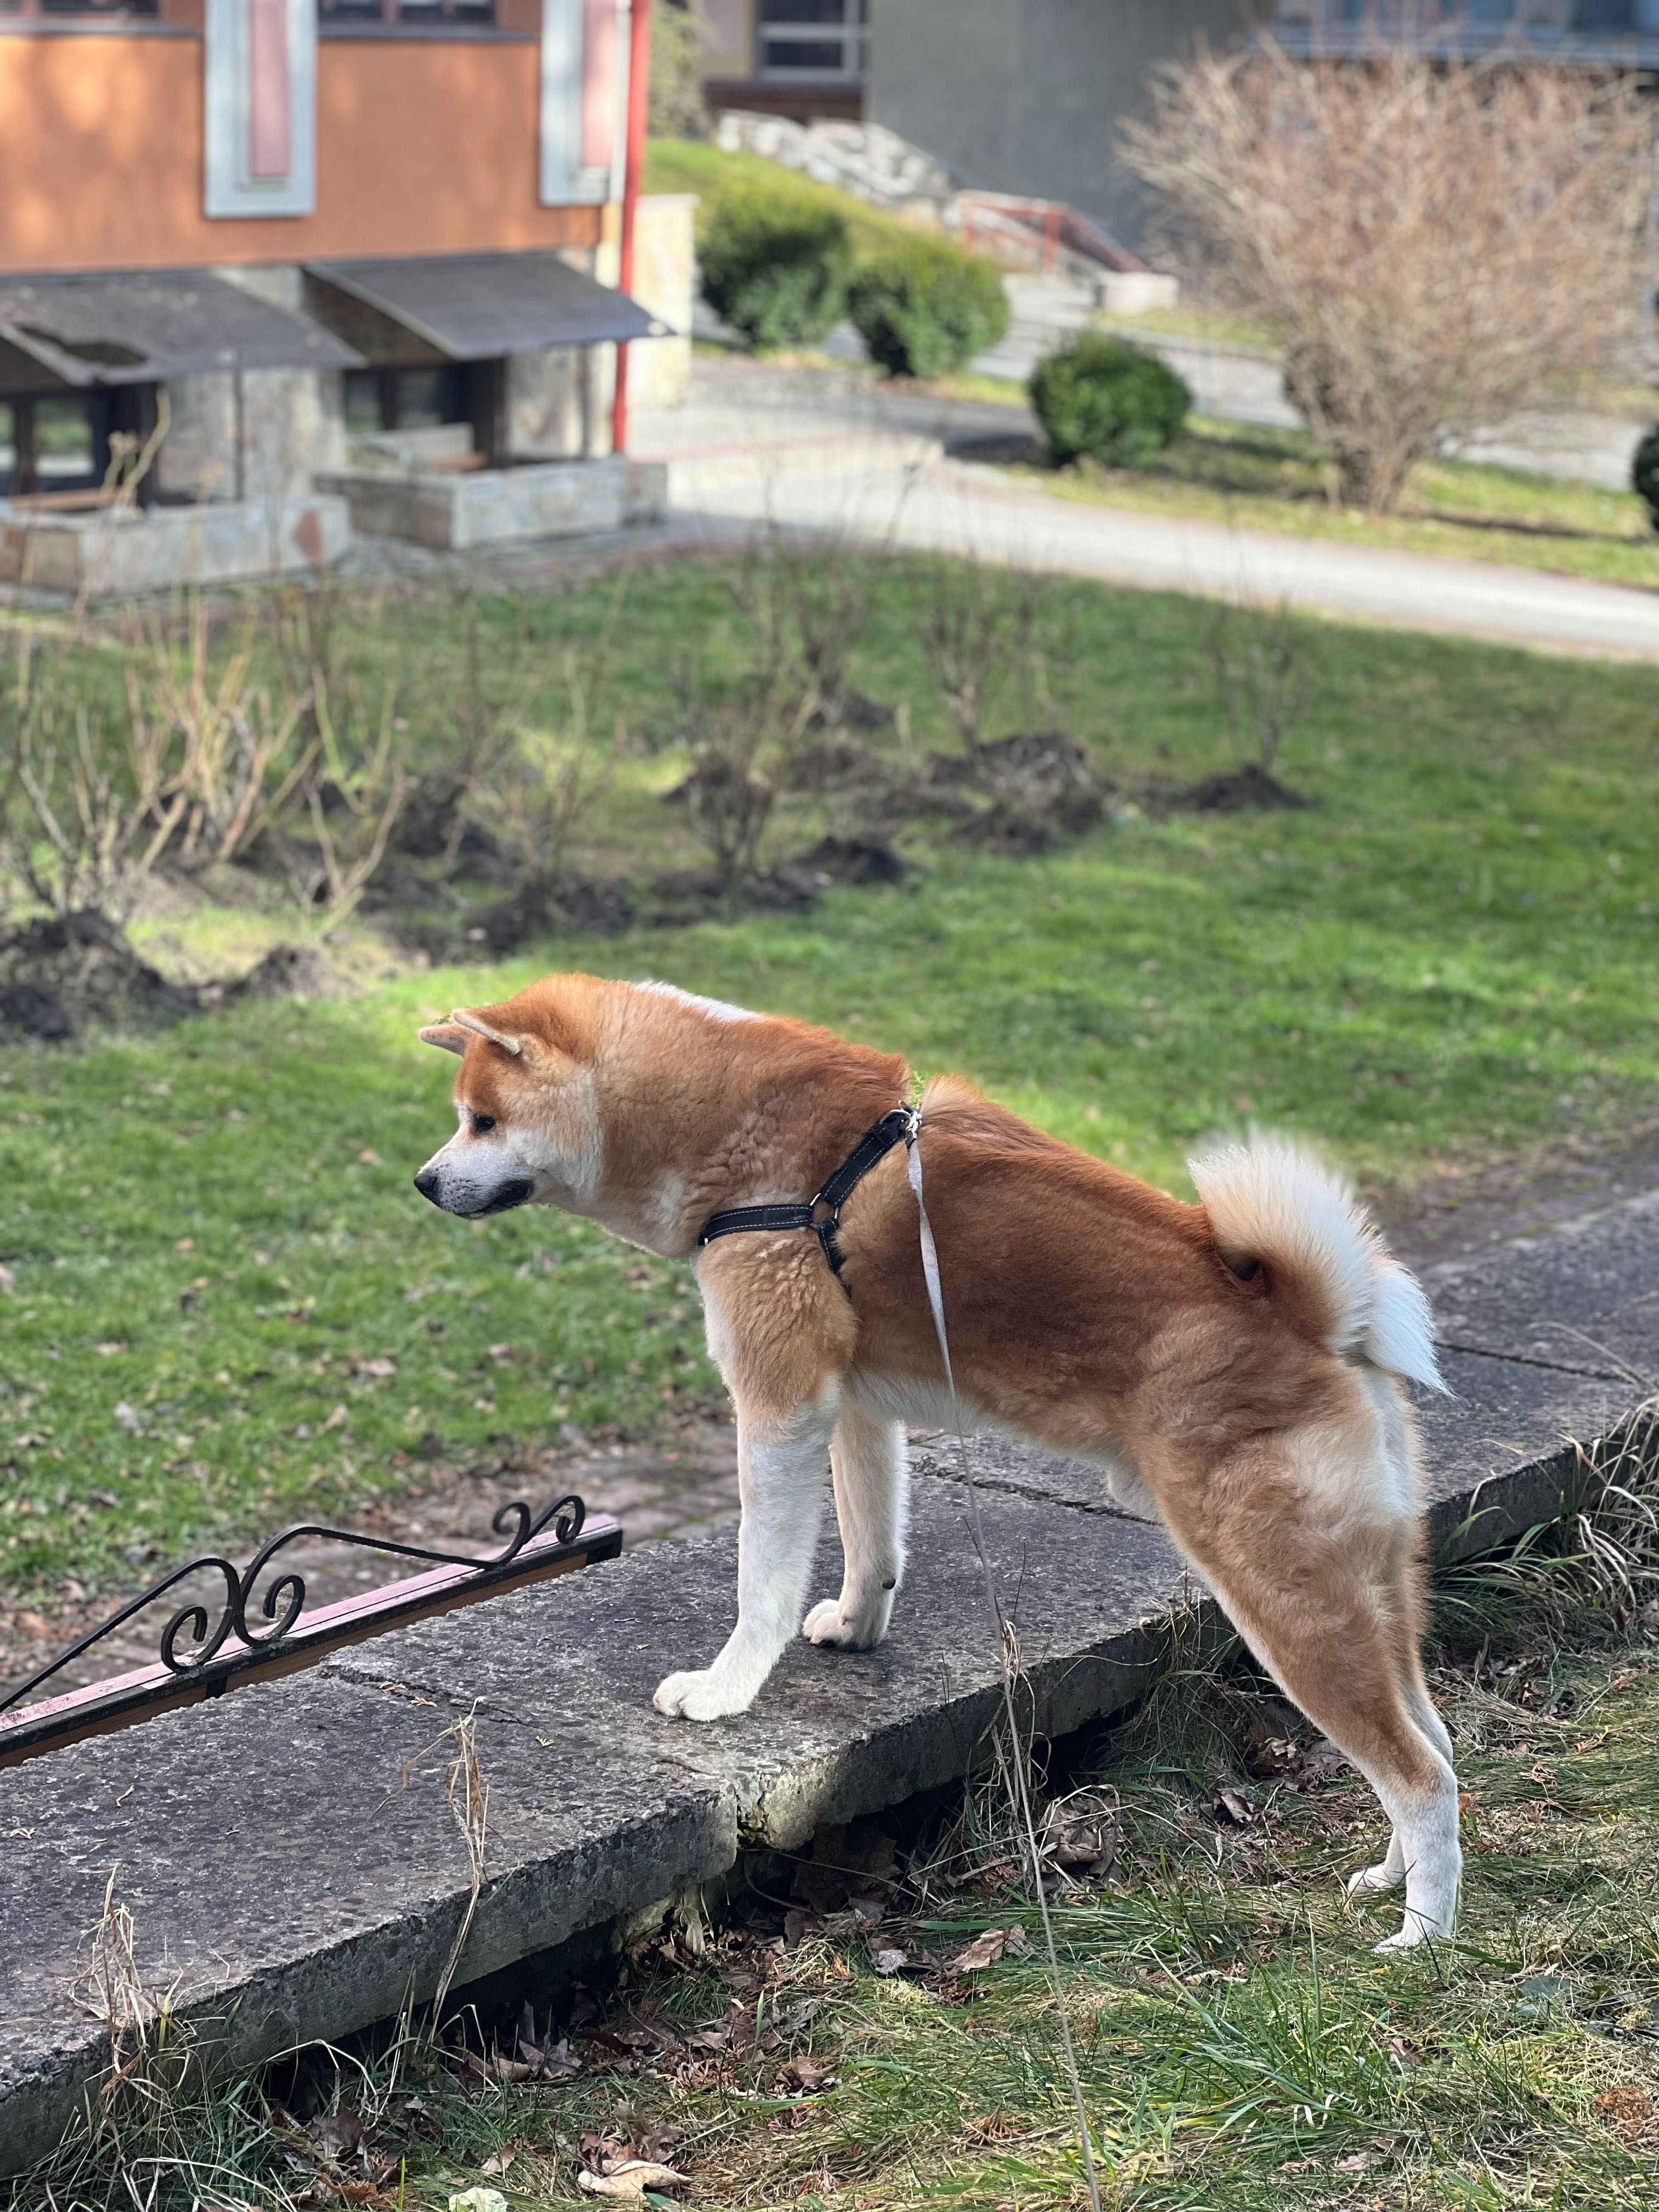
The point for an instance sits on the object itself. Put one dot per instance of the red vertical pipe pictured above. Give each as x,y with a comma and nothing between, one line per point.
639,103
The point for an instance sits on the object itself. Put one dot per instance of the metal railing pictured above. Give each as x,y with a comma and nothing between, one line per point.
252,1626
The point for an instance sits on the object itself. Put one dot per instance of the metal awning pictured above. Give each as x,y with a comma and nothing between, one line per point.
137,327
476,307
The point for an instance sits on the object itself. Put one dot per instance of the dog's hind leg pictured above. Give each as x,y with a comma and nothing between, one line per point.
868,1459
1332,1614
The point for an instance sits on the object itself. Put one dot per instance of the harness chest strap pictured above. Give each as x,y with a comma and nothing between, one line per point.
899,1126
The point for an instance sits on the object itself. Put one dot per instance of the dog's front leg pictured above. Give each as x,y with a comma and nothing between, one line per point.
869,1458
781,1470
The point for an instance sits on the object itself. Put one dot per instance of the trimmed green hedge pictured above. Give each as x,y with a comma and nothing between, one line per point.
774,265
925,308
1104,396
1644,474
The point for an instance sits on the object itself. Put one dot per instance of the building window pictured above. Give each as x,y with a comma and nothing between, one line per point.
49,9
53,442
813,38
404,15
379,399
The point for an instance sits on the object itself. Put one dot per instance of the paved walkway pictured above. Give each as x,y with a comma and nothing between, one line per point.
758,446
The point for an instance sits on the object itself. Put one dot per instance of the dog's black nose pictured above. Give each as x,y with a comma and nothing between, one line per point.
426,1183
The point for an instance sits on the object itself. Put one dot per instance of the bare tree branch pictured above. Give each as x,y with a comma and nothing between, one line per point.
1439,243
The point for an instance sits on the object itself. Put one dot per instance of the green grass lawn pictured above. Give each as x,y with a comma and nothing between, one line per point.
1240,2047
1261,479
1452,954
689,165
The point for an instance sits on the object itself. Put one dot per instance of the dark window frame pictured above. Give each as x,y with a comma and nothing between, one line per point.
476,391
127,407
842,31
365,18
80,11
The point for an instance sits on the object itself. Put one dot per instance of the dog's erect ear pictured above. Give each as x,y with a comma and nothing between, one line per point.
448,1036
471,1021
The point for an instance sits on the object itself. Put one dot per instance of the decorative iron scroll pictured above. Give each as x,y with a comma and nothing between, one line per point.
194,1635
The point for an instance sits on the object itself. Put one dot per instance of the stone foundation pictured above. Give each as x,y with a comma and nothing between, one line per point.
116,550
491,506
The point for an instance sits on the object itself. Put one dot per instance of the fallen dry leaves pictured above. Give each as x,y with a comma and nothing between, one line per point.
985,1950
611,2167
1631,2115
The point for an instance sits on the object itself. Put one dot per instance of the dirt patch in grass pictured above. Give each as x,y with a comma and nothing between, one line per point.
63,974
1246,790
1042,789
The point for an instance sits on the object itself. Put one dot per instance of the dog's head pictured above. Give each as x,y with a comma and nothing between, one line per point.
524,1095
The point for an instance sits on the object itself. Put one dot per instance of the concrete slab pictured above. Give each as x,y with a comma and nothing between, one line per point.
1583,1297
492,506
120,551
295,1869
833,1734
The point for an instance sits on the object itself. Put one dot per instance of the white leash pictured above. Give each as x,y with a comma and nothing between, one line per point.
1007,1651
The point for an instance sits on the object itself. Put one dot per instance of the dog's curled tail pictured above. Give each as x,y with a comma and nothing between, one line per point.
1324,1260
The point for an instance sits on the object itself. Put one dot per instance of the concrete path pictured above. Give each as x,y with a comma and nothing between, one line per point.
757,445
289,1853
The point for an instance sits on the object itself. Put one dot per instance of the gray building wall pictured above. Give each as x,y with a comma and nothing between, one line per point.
1025,95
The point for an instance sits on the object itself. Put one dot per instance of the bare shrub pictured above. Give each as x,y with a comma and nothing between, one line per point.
1259,672
741,748
809,601
491,697
538,777
220,757
83,818
1438,242
978,630
352,788
353,795
321,627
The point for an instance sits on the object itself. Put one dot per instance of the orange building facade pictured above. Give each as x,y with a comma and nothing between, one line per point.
292,224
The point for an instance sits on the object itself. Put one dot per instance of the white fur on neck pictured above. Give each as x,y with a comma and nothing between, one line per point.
717,1009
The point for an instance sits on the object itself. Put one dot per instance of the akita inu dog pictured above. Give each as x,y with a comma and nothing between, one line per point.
1237,1368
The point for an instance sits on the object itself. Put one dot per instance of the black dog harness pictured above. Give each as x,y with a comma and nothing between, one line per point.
899,1126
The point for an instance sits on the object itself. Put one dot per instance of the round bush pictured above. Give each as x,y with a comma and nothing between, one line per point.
1104,397
925,308
1644,474
774,265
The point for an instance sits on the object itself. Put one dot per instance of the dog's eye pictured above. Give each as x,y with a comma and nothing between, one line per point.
483,1124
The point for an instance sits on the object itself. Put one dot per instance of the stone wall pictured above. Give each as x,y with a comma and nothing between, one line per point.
665,275
550,404
262,435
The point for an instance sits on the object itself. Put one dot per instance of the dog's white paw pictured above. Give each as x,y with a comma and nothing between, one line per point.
1417,1929
1375,1881
854,1630
700,1696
